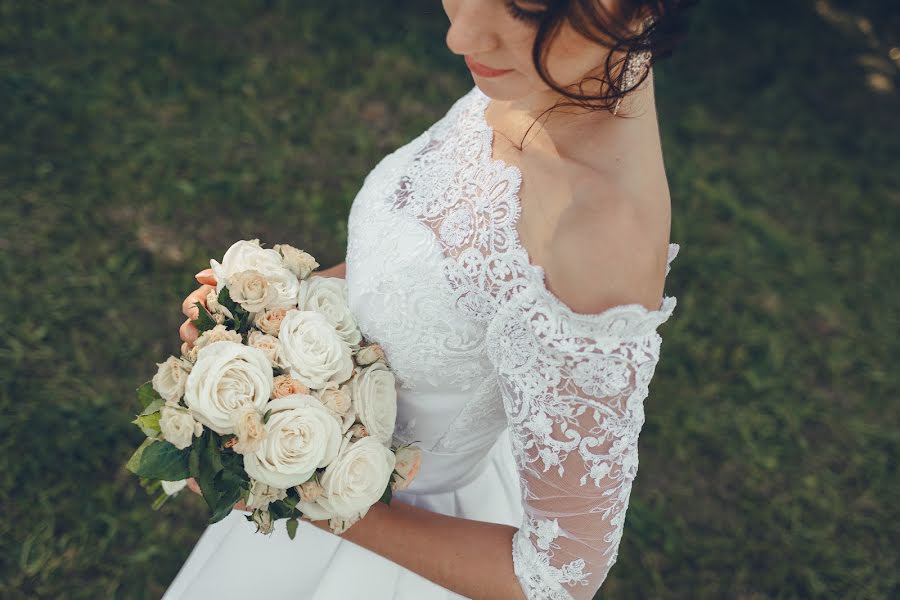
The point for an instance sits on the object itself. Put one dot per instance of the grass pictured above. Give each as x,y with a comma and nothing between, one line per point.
141,138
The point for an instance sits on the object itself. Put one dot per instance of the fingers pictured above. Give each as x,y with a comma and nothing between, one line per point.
206,277
189,333
188,308
193,486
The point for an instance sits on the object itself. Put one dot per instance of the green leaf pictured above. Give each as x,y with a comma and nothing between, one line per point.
134,462
205,470
225,504
386,496
266,415
153,407
146,394
280,510
292,527
149,424
160,460
204,321
226,301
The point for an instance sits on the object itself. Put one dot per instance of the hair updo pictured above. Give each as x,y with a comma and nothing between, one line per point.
664,22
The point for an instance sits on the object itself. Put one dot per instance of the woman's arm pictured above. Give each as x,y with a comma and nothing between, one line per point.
472,558
339,270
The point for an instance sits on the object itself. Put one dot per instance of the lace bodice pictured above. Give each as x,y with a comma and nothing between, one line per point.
437,275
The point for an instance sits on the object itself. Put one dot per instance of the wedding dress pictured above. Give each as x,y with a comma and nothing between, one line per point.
528,413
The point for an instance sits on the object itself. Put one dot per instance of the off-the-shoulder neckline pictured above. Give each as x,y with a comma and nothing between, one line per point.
537,275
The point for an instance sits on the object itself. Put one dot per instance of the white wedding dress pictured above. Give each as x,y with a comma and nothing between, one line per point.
528,413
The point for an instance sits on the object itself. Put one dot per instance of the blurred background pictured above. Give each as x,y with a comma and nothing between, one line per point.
140,139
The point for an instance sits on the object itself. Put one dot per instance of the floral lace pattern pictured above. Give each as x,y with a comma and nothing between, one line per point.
464,306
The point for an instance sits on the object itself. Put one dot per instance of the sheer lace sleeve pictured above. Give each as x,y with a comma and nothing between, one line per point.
573,387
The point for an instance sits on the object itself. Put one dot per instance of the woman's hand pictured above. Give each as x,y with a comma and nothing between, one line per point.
188,330
194,487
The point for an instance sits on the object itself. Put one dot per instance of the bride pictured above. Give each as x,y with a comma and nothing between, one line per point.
516,288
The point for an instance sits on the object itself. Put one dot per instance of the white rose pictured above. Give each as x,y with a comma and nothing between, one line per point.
249,428
251,290
170,378
269,321
374,396
297,261
302,435
245,255
409,459
328,295
173,487
369,354
226,377
312,349
268,344
178,425
353,482
262,494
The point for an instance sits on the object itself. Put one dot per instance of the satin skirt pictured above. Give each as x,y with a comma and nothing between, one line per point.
232,561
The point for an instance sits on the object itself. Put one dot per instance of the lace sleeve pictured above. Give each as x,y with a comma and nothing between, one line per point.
573,387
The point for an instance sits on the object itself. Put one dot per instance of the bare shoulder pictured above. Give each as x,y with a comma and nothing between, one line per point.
607,253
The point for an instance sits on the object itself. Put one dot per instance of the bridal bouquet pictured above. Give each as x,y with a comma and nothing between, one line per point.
278,403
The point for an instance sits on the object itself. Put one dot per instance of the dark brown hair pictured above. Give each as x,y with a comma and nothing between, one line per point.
664,26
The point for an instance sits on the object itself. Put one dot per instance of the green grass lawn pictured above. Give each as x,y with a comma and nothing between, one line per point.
142,138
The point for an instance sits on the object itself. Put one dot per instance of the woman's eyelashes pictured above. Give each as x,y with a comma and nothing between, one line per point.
529,16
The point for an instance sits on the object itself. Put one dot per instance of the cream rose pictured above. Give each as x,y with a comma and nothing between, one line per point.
170,378
302,435
353,482
212,304
268,344
328,295
309,490
297,261
409,459
263,520
313,351
269,321
369,354
249,428
374,396
336,398
285,385
249,254
251,290
219,333
227,377
178,425
261,495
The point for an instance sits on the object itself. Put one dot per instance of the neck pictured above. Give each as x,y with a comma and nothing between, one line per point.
564,128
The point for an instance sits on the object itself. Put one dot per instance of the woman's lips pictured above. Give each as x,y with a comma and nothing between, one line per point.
482,70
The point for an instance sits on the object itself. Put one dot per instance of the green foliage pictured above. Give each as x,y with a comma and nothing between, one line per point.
140,141
149,424
292,527
241,321
219,472
147,395
204,320
159,460
388,492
